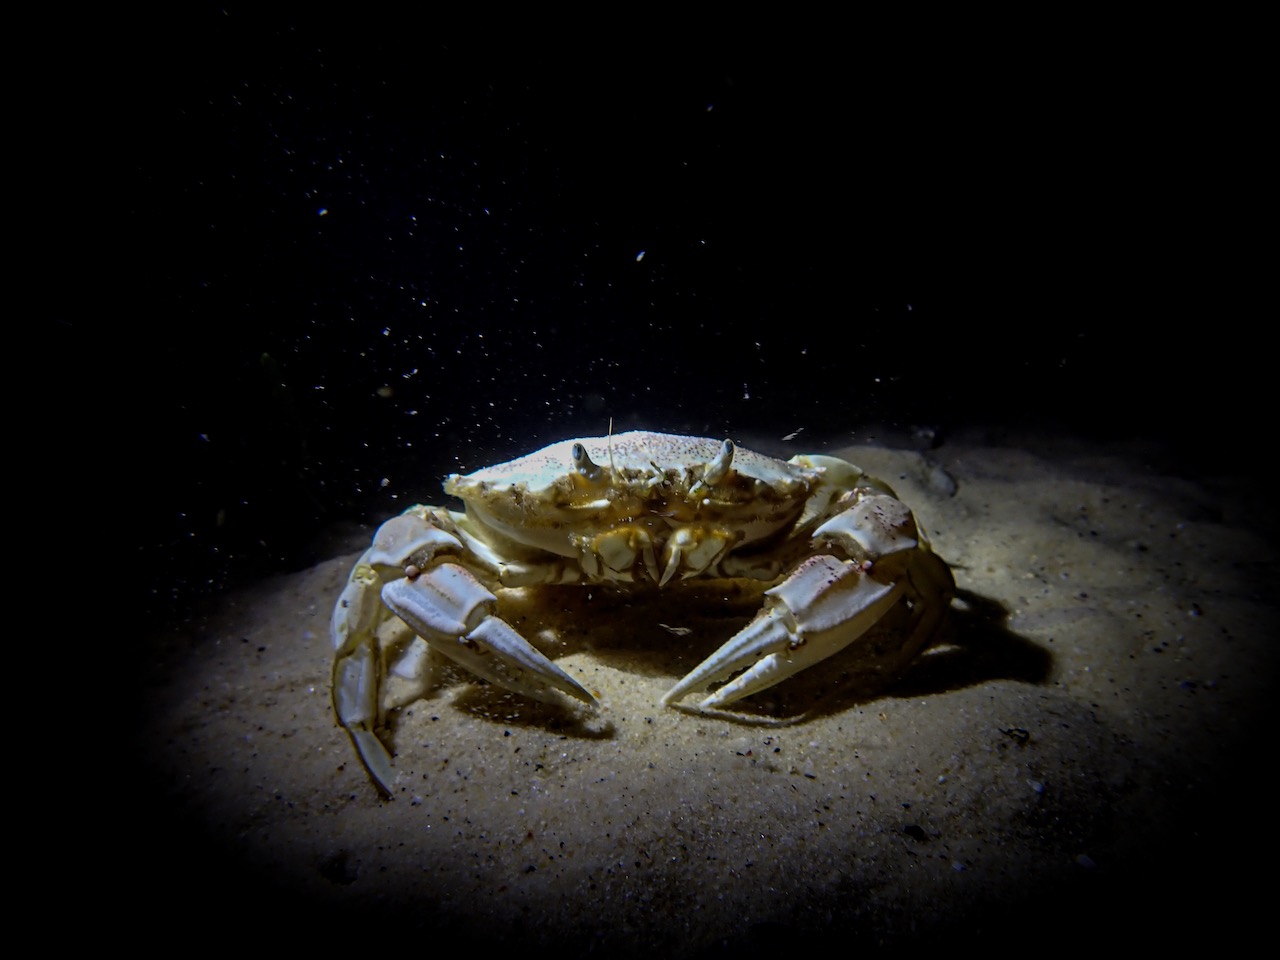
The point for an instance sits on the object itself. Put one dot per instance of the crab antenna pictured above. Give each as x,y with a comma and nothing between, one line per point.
612,472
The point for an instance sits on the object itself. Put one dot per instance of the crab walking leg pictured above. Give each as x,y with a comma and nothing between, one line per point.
934,584
357,659
453,611
356,682
824,606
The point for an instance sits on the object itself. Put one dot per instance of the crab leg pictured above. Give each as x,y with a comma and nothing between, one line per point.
357,660
824,606
409,573
450,609
356,670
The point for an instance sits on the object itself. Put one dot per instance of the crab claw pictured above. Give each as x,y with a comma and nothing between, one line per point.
452,611
825,605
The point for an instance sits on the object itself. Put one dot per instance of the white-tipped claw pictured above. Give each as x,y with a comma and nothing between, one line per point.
451,610
824,606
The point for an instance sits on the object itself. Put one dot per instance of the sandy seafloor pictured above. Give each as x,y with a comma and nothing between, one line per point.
1084,761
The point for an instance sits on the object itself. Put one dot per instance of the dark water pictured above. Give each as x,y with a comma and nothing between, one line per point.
356,264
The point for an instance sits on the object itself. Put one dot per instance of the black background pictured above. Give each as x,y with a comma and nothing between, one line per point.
385,251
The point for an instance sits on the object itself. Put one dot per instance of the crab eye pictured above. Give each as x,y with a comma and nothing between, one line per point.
718,468
582,463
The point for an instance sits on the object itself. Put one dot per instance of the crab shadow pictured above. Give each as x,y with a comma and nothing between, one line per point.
487,703
663,634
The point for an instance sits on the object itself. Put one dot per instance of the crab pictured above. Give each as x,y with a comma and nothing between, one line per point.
647,508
